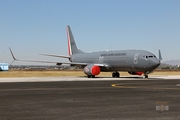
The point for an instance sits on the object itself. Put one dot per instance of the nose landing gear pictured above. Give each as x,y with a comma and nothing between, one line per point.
146,74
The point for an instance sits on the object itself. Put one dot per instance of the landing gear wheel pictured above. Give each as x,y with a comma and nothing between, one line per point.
146,76
115,74
91,76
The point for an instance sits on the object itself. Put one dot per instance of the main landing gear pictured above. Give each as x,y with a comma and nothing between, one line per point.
91,76
145,76
115,74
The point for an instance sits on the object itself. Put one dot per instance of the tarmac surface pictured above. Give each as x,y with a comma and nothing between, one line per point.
102,99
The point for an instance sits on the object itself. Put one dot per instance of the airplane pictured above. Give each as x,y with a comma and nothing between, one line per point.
135,62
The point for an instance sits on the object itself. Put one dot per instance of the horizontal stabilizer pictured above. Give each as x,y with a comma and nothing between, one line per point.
62,56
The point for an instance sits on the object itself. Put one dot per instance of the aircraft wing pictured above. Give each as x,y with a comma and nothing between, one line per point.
42,61
60,63
57,63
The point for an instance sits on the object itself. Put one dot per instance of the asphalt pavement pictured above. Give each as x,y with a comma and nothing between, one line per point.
148,99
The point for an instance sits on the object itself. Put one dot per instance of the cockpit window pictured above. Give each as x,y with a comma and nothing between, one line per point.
150,56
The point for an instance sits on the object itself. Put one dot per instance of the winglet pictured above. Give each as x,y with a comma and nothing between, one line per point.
160,57
12,54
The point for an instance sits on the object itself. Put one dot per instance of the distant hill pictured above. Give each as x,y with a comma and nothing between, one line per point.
172,62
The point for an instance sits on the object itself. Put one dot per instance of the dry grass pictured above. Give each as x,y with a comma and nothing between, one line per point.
69,73
40,73
166,73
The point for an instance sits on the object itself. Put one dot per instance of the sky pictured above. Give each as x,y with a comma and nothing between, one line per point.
31,27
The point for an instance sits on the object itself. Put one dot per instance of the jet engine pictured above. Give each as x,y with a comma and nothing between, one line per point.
92,70
135,73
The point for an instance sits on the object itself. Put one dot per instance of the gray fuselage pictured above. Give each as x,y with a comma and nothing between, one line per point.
122,60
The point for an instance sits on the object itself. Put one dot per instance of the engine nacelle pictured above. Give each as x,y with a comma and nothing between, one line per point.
135,73
92,70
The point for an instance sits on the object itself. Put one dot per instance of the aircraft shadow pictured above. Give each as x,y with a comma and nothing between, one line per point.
114,78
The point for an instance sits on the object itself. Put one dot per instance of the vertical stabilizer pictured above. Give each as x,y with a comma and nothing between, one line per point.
72,48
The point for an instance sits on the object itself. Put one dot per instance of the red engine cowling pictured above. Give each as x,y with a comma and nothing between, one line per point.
136,73
92,70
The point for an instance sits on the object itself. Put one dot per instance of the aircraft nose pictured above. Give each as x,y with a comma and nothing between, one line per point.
155,63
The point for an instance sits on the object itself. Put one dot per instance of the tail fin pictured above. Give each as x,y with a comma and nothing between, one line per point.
72,48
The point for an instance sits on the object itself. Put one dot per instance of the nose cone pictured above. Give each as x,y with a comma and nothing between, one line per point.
154,63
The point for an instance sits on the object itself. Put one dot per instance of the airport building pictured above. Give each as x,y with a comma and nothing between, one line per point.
4,67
